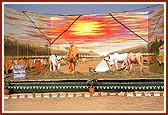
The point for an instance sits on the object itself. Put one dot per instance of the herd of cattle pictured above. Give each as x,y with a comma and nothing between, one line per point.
126,59
30,63
54,62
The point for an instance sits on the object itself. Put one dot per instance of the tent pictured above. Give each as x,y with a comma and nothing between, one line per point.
102,66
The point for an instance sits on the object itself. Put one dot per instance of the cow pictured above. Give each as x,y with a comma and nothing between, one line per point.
149,59
133,58
53,62
115,58
30,63
24,61
7,64
45,62
160,57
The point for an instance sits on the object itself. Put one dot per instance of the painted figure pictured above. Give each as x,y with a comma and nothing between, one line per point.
72,56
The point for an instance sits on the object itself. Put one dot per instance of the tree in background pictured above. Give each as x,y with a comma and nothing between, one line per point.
154,46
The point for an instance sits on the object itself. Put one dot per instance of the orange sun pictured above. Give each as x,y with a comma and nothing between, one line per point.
83,28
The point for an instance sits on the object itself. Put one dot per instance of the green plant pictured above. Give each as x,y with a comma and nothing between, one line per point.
92,81
6,90
6,84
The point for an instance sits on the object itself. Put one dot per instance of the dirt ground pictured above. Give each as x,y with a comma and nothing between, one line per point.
78,104
82,67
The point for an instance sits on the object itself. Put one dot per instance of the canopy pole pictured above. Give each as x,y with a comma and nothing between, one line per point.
17,51
27,51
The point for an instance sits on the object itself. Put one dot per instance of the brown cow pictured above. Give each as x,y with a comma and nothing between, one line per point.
20,61
7,64
149,59
160,59
30,64
24,61
133,58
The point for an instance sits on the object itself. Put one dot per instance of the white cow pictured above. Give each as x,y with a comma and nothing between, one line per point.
53,61
114,58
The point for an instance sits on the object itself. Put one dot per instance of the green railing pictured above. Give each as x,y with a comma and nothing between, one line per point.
83,85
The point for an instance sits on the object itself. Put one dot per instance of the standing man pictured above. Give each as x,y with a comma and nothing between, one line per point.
38,65
73,56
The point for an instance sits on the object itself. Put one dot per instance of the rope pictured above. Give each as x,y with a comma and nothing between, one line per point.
127,27
44,34
79,15
156,26
66,29
24,12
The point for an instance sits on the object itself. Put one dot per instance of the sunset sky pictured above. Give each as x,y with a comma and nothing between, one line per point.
100,33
